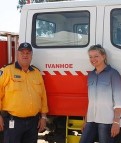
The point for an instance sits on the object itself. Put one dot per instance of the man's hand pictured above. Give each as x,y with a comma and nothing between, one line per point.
1,123
41,124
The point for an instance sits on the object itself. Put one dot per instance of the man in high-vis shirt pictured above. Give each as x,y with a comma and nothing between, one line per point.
23,101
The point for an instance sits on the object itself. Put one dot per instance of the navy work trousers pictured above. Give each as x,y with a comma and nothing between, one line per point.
24,130
1,137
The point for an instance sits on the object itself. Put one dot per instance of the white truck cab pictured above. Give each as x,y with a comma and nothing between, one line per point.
61,34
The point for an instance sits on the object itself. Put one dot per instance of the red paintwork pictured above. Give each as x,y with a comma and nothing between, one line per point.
67,94
4,53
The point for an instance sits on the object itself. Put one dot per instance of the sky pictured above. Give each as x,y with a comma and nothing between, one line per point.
9,16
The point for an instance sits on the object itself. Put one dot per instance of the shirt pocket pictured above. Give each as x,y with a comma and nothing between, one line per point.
90,83
104,87
104,83
37,86
16,83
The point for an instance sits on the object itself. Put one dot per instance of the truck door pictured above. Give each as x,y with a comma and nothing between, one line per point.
112,35
60,37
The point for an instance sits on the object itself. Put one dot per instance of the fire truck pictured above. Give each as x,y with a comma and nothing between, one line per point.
8,46
61,34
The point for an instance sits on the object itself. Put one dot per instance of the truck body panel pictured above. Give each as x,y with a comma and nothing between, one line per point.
61,34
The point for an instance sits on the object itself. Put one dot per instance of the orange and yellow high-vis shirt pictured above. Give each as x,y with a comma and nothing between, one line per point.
22,94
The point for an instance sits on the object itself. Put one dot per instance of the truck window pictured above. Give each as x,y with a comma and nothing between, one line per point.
44,28
116,27
61,29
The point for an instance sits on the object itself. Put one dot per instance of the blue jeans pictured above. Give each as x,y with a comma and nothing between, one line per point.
92,130
118,137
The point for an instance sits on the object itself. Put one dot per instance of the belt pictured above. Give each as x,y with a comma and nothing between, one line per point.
6,114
